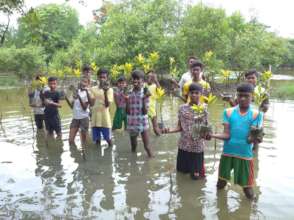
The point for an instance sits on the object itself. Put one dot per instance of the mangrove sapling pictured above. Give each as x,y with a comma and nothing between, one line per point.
200,113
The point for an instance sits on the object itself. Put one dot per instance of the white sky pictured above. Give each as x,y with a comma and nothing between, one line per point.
278,15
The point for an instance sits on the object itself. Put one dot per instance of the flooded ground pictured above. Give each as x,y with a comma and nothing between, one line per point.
49,180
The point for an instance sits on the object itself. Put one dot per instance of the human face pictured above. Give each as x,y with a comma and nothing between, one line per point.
252,79
196,72
102,77
150,78
122,84
84,83
52,85
194,96
244,99
137,82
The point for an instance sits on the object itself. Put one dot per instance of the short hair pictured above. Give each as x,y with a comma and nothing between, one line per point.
245,87
195,87
52,78
197,63
102,71
251,72
86,67
137,74
192,57
150,71
121,78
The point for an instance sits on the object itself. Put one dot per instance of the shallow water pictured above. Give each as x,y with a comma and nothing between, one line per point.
49,179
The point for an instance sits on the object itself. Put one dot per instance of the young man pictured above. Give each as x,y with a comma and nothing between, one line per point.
101,98
51,101
188,75
196,69
251,77
238,149
80,107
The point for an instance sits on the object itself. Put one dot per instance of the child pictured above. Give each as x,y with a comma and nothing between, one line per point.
251,77
120,116
152,85
190,157
37,104
86,73
237,151
101,98
196,68
51,101
137,109
80,106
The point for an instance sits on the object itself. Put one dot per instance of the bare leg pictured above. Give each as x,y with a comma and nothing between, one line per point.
145,138
83,135
134,143
72,134
155,126
109,142
249,193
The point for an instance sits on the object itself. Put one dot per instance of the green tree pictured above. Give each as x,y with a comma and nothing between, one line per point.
51,26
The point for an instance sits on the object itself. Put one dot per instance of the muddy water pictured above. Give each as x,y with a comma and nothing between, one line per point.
49,179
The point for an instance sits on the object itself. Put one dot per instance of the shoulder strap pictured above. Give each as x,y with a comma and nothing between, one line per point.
254,114
229,112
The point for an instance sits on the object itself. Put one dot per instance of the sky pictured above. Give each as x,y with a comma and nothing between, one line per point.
276,14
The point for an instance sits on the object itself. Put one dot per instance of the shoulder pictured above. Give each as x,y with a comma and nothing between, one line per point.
184,107
255,113
229,111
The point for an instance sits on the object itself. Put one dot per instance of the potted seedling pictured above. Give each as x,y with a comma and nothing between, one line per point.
205,128
200,112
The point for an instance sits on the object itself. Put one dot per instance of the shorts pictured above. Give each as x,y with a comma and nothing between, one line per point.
120,117
243,170
52,124
39,120
82,124
98,131
190,162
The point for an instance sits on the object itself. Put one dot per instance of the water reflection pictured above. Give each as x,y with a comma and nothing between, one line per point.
48,179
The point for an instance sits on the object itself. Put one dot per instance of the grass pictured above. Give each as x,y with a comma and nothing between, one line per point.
284,91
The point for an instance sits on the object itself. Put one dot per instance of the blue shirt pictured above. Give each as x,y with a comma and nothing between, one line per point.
239,124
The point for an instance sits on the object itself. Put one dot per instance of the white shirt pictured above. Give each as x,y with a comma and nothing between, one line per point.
78,111
185,78
39,109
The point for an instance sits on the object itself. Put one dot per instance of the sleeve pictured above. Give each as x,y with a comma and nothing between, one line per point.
186,88
225,117
258,122
110,95
58,96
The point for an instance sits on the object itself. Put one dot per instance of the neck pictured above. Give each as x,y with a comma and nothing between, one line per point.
196,79
194,103
243,109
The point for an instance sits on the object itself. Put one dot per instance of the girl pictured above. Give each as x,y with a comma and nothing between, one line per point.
190,158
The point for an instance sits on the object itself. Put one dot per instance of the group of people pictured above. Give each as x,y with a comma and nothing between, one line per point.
136,104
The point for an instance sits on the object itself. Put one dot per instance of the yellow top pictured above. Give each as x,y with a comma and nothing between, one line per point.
100,114
205,85
152,100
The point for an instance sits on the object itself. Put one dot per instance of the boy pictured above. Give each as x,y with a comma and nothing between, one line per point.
101,98
36,103
137,109
196,68
80,106
190,158
186,77
237,151
251,77
51,101
120,116
152,85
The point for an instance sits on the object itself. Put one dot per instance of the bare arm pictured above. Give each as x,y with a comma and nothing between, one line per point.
173,130
83,104
69,102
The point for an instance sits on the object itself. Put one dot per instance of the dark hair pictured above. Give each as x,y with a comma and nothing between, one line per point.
102,71
52,78
245,87
251,72
86,67
37,77
192,57
195,87
121,78
150,71
197,63
137,74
